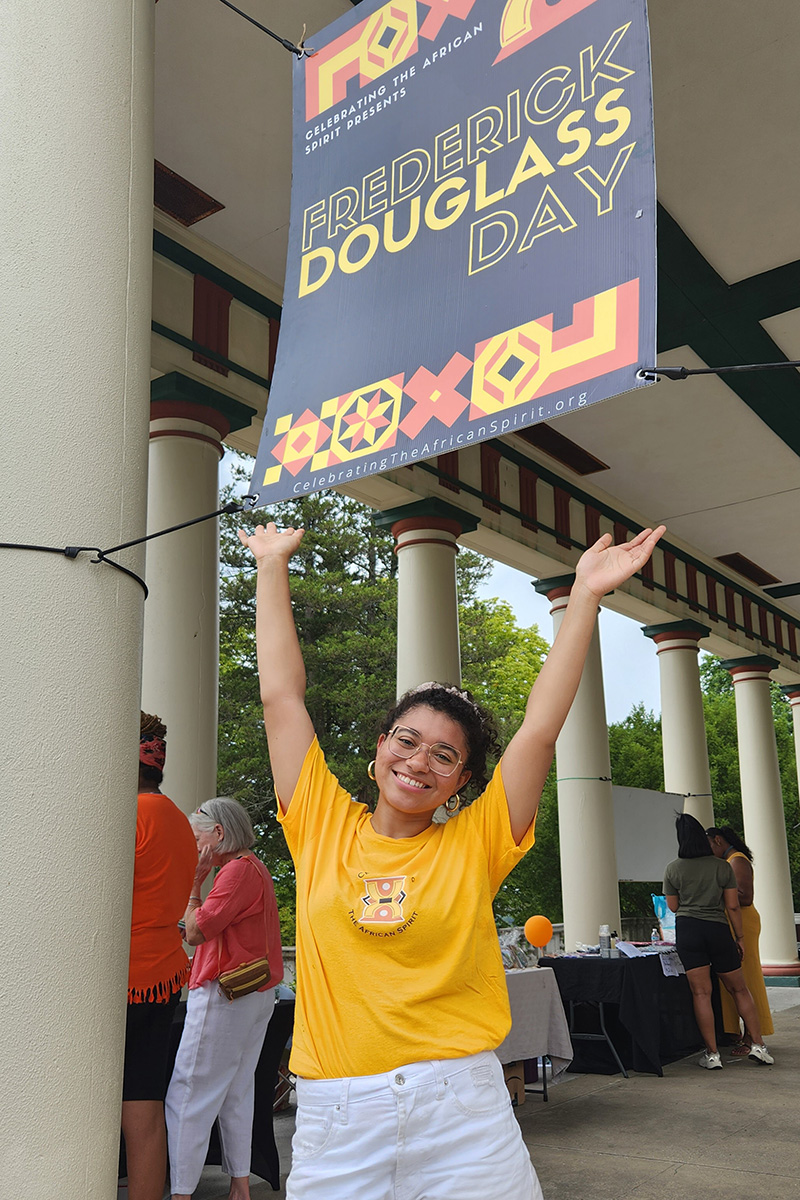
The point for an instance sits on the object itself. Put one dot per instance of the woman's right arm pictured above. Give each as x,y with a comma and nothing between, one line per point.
744,880
730,897
281,671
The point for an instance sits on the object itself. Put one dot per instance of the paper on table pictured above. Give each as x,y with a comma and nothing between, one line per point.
671,965
628,949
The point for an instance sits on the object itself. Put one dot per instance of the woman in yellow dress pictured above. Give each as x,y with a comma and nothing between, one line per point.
727,844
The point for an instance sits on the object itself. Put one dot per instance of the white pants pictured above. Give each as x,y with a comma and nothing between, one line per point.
213,1077
429,1131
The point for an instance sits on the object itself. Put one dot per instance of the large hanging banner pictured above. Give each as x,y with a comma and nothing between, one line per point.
472,241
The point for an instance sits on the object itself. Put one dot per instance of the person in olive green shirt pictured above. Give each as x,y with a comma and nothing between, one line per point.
700,889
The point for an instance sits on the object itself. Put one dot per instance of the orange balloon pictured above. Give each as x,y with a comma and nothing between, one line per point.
538,930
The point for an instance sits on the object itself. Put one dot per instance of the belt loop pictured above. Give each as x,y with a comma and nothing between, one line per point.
343,1100
438,1075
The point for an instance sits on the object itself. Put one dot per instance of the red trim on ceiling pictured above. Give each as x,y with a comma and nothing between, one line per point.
561,505
527,498
711,598
670,581
747,568
592,524
691,587
211,321
490,476
448,465
274,330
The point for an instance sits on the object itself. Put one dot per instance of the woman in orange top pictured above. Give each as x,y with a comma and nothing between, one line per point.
166,856
727,844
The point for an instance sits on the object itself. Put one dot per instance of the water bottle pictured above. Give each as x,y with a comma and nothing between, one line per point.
614,950
605,942
655,937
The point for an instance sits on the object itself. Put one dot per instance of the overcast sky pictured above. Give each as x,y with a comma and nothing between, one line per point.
630,666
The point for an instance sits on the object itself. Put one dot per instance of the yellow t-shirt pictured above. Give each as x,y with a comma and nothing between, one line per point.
398,956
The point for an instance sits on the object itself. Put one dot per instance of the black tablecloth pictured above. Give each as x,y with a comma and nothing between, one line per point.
649,1016
264,1156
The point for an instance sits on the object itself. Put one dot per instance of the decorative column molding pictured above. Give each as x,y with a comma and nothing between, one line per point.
426,534
762,810
181,638
589,882
683,730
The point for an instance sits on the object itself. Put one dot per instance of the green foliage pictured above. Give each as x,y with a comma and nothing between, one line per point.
344,592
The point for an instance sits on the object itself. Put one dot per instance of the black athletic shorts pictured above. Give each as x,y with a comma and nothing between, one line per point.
147,1049
702,942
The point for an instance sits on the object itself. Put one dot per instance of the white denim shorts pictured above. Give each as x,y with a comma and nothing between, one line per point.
442,1130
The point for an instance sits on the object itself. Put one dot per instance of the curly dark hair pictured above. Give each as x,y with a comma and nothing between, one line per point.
732,838
458,704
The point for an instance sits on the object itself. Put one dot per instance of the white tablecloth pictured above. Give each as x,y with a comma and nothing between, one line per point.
539,1025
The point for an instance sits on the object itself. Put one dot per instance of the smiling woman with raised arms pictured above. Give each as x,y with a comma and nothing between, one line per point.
401,993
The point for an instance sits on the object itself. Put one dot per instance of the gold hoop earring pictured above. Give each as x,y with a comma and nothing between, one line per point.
453,803
370,770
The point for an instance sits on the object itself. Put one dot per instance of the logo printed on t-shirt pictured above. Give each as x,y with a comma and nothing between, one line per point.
384,898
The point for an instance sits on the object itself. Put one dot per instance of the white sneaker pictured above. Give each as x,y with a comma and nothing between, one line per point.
712,1062
760,1054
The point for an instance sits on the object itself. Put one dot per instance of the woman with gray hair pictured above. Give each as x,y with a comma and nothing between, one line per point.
236,924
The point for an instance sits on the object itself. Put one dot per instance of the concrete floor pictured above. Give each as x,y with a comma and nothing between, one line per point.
693,1135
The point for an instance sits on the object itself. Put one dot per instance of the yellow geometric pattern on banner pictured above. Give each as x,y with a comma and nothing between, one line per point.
300,441
371,52
531,347
364,422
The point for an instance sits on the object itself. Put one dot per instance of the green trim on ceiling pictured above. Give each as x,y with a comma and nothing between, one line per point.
178,254
431,507
720,322
195,347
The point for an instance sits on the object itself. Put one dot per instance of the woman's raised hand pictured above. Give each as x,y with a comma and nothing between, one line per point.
604,567
271,542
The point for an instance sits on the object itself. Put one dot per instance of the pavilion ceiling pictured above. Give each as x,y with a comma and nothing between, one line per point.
715,457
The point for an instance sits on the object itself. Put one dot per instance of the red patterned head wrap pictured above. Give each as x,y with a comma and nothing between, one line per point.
152,751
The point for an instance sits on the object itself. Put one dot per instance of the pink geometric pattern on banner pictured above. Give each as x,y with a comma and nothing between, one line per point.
435,396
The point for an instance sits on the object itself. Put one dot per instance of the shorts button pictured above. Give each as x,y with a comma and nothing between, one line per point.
400,1079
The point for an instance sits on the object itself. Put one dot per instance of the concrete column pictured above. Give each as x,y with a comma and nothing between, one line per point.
762,810
792,693
589,882
427,602
683,729
181,633
75,260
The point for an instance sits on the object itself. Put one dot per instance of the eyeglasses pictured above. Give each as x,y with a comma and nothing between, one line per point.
405,743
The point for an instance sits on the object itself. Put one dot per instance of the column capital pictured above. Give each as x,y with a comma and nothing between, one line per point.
178,396
555,587
687,628
754,666
430,513
792,693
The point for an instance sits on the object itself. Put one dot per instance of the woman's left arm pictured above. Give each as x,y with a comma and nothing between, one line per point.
527,760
